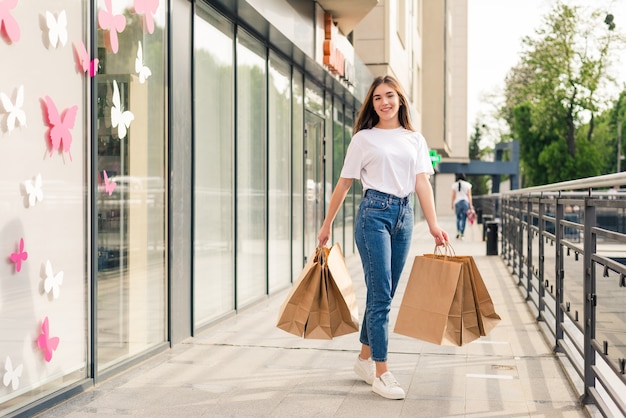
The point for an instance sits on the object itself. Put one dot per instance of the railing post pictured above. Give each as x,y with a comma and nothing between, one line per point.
529,248
589,296
559,274
540,257
519,237
505,231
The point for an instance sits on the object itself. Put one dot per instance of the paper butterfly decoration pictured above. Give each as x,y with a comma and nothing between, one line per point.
34,190
148,8
53,281
111,23
60,135
19,256
57,28
109,185
119,118
8,24
143,71
16,113
46,343
11,375
82,59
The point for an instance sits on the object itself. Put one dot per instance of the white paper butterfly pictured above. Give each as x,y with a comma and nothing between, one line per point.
120,119
15,111
53,282
34,190
57,28
143,71
11,375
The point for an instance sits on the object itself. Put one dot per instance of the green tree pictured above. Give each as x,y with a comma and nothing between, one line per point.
479,183
555,90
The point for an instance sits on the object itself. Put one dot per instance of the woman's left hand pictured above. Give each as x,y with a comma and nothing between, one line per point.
441,236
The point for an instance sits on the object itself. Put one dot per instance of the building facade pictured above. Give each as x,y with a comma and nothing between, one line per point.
168,163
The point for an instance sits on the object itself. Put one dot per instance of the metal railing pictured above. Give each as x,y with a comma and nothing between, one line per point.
566,243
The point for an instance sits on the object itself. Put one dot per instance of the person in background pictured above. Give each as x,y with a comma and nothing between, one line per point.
461,203
391,160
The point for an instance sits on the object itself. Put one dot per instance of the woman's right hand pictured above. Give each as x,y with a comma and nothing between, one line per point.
323,236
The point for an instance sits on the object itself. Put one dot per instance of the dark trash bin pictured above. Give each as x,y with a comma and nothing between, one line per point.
479,216
486,220
492,237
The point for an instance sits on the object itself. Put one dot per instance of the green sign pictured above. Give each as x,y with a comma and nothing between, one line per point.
434,157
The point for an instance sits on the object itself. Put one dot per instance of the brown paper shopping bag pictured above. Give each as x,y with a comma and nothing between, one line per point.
344,309
469,327
487,318
486,313
294,312
322,303
428,299
318,322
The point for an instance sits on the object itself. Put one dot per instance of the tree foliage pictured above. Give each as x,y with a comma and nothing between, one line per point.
479,183
555,93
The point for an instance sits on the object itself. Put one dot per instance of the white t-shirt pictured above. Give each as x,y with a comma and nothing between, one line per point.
463,193
387,160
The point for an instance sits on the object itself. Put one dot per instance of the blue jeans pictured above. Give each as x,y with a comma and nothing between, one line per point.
461,207
383,230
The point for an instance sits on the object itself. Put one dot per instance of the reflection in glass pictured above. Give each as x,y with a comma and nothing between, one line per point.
251,157
279,165
213,178
130,234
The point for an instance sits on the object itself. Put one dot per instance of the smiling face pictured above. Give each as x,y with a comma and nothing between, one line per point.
386,103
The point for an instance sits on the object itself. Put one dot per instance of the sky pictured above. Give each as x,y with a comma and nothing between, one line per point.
495,32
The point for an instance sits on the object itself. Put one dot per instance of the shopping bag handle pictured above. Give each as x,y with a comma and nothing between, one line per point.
445,250
321,255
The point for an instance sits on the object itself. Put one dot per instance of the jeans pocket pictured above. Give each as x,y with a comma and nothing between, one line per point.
375,204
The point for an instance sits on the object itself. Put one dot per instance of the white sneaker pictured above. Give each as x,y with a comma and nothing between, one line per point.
366,369
388,387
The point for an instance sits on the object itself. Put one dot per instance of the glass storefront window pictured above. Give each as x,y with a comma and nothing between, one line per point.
213,276
279,171
314,131
130,168
337,162
251,162
297,190
43,189
354,197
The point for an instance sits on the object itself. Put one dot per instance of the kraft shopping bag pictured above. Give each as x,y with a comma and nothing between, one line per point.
322,303
487,316
428,310
318,322
344,309
294,312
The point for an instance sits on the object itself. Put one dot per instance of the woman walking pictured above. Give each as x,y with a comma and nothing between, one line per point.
391,160
461,203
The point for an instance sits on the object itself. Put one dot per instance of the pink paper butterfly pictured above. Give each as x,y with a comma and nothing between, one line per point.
111,23
8,24
60,135
82,59
109,186
148,8
45,342
20,256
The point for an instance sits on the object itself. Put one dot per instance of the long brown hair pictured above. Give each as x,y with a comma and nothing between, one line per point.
368,118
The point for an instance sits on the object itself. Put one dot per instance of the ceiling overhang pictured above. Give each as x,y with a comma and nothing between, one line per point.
348,13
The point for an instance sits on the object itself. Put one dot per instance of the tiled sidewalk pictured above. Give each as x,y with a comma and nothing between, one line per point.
246,367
